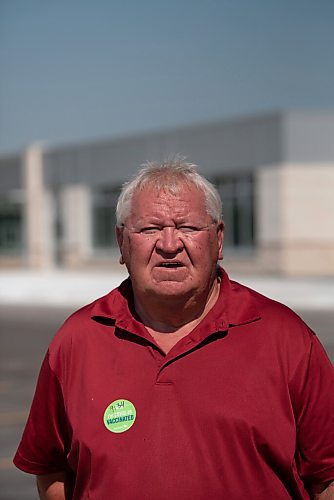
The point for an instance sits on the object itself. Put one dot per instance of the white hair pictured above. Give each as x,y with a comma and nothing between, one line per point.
171,176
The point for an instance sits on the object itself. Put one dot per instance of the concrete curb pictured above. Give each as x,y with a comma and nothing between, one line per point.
75,288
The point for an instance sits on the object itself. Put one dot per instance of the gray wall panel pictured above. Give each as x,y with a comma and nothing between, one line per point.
217,148
220,147
308,137
10,173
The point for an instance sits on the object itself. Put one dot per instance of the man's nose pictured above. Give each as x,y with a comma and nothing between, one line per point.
169,240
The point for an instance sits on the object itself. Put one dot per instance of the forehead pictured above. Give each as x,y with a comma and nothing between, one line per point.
187,199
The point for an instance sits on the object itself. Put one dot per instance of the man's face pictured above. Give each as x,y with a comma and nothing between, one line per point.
169,244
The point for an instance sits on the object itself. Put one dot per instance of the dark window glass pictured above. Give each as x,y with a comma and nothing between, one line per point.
104,219
10,227
237,193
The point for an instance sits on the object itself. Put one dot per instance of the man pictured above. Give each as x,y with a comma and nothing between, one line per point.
181,384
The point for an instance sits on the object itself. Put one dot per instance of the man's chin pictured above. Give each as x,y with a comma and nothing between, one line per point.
161,275
164,285
170,289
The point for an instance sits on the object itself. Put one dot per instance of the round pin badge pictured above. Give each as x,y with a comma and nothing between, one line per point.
119,416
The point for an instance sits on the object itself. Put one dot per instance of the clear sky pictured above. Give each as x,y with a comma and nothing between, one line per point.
72,70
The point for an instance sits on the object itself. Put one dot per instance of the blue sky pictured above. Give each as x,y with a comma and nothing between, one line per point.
84,70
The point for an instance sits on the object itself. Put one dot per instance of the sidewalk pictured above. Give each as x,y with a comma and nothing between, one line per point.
72,289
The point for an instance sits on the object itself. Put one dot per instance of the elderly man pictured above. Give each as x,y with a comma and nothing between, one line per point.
181,384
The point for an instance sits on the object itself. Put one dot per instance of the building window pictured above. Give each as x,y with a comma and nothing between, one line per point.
104,218
10,227
237,193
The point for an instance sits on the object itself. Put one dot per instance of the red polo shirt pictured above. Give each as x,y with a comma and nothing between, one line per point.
242,407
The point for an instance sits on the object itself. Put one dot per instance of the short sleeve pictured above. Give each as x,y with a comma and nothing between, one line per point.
314,412
42,449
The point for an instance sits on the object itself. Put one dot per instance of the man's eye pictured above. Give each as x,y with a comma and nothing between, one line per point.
150,230
188,229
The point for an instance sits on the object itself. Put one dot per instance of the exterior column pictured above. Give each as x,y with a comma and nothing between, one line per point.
75,206
268,216
39,211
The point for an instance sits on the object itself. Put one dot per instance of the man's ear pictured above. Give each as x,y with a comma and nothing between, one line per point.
220,236
119,236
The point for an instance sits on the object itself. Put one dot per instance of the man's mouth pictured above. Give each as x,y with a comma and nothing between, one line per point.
170,265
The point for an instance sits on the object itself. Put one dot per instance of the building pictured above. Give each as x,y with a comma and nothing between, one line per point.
275,172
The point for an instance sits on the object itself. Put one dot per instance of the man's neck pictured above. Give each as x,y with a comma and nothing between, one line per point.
177,316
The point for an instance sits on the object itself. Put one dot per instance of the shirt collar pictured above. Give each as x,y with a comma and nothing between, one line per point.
235,306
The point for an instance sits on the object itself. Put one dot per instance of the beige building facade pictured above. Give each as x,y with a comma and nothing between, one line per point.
275,173
295,214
